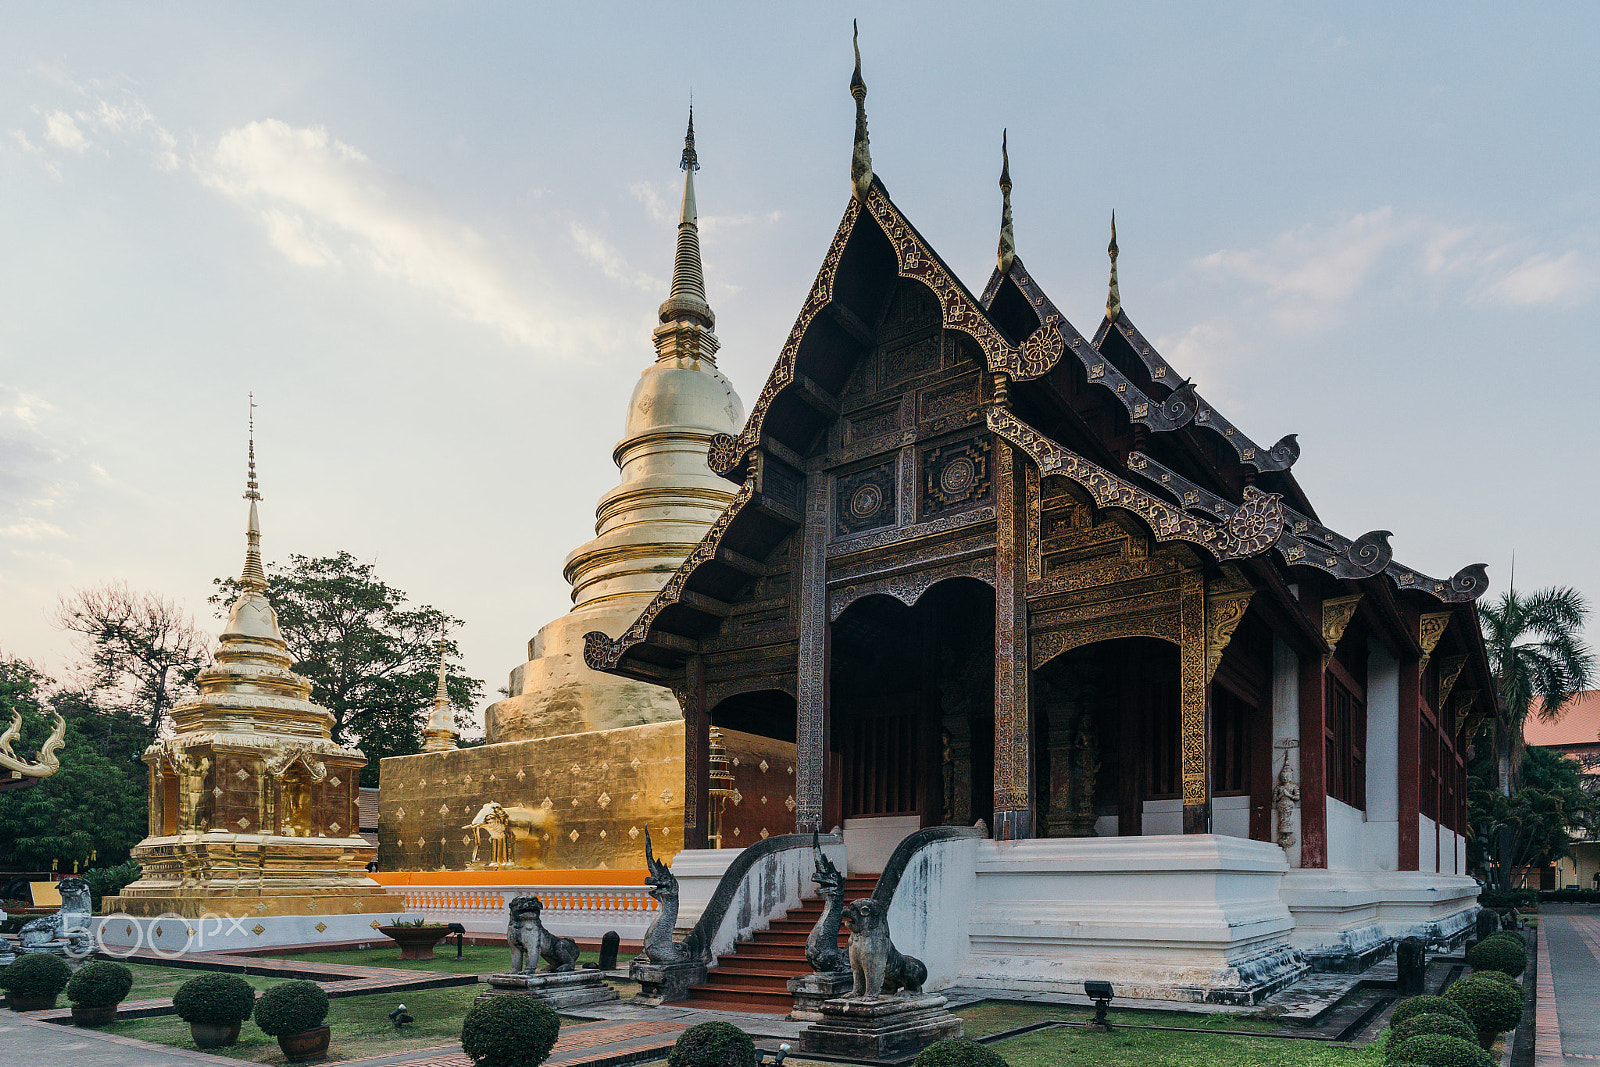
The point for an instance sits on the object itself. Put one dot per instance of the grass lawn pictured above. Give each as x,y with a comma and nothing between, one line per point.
360,1025
151,982
993,1016
475,959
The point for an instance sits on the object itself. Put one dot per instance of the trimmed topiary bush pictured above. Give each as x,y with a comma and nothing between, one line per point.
291,1008
1497,953
713,1045
512,1031
1515,935
959,1052
1491,1006
38,974
1430,1023
99,984
1500,976
218,999
1427,1005
1441,1050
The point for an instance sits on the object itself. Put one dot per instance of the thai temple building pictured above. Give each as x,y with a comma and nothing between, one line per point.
1050,640
254,836
983,568
580,762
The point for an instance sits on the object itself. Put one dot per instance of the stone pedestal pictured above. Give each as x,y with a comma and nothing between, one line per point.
885,1029
561,990
663,982
811,990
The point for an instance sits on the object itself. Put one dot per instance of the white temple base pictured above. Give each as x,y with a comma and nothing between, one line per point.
175,936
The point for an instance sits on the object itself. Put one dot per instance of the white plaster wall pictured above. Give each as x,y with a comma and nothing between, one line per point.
871,841
1427,844
1381,844
1230,816
1162,817
1339,913
929,914
1286,731
173,937
698,871
1177,917
1346,837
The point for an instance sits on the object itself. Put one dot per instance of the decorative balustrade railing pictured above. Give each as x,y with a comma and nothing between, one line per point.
568,910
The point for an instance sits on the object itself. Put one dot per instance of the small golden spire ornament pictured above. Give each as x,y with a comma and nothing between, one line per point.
1008,240
440,736
861,157
1113,294
253,577
687,300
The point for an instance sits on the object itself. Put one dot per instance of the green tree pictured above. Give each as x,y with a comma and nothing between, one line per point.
1535,648
141,650
373,662
1535,825
95,804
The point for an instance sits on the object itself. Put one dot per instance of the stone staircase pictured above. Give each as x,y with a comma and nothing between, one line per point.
755,975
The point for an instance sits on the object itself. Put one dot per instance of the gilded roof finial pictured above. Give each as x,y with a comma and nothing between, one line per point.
861,157
1113,294
253,578
440,734
688,297
1008,240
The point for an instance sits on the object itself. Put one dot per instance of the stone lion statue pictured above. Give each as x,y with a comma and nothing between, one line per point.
530,941
876,966
70,924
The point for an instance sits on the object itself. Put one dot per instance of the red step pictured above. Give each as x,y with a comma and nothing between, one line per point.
754,977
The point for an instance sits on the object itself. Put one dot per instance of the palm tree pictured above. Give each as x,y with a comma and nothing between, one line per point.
1535,648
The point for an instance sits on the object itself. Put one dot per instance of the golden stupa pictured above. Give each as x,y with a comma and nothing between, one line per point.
253,818
579,763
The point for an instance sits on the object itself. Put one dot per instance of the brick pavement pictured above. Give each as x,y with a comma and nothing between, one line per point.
1566,1022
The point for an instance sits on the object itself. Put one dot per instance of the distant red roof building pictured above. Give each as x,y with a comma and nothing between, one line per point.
1577,734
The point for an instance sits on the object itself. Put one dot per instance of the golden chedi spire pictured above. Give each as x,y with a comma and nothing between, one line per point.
1113,294
440,735
252,803
662,506
687,299
861,156
1008,240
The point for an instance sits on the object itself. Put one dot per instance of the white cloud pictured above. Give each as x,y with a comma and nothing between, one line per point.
597,250
324,204
61,130
1544,278
31,529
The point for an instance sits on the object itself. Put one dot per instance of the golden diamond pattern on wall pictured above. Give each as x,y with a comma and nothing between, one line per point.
258,929
321,928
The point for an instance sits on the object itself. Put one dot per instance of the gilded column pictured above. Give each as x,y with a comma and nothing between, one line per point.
811,685
696,753
1194,704
1013,761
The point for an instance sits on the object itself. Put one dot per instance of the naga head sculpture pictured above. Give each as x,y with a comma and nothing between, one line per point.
829,880
661,880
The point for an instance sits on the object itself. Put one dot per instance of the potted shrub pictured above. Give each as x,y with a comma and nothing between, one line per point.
1440,1050
958,1052
96,990
293,1013
416,937
714,1044
1499,952
510,1031
1492,1007
214,1005
34,981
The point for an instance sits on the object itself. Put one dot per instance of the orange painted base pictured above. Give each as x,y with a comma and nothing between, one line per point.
624,876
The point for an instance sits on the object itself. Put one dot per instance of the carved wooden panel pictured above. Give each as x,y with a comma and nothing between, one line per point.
864,500
956,476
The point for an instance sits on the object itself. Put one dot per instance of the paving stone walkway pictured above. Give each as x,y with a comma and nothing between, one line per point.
1567,1019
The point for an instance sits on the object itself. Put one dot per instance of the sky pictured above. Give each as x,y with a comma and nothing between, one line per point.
431,239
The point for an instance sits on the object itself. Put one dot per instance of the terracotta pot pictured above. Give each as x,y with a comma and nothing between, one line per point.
98,1016
19,1003
214,1035
310,1045
416,942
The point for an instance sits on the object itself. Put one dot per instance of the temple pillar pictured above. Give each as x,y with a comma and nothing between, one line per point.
812,682
1313,751
1013,718
1194,704
696,754
1409,761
